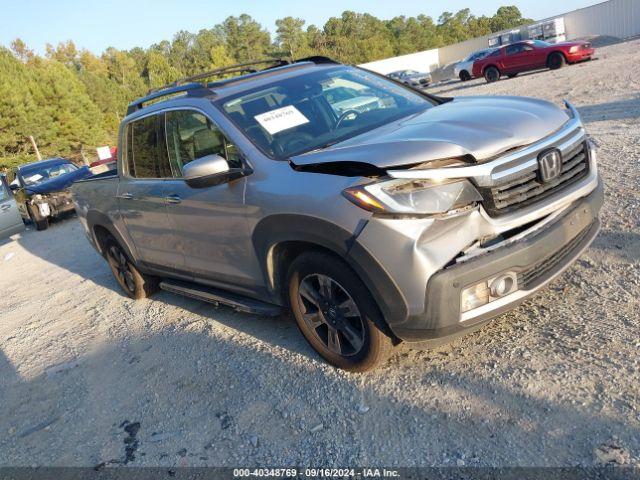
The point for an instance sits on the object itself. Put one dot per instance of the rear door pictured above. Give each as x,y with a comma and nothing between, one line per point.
10,218
210,223
141,194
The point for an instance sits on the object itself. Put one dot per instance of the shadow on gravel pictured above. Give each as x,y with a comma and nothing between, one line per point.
625,244
620,110
54,246
280,331
178,397
458,86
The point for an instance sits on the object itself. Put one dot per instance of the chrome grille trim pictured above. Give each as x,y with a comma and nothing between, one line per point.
527,188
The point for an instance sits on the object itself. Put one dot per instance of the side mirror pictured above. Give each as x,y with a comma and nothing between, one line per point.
211,170
206,171
14,187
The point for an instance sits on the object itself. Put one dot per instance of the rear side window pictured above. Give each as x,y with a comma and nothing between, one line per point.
191,135
146,157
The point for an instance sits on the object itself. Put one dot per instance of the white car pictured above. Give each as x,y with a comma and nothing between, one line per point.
464,69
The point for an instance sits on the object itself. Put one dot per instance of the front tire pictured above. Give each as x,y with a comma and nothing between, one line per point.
492,74
464,76
556,60
336,313
134,283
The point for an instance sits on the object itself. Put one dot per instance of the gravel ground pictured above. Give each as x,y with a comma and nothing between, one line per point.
88,376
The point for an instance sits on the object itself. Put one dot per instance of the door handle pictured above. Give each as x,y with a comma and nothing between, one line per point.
173,198
5,207
127,196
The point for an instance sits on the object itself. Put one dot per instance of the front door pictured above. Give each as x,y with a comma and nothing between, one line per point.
517,58
10,218
209,223
141,194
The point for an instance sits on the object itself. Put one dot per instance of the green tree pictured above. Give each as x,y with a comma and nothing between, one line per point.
245,38
291,38
507,17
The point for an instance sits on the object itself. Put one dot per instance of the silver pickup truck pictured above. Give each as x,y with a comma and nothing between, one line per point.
416,219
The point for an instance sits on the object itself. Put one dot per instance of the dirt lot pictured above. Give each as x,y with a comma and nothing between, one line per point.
88,376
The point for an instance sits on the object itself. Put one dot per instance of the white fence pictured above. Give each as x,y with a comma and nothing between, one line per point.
614,18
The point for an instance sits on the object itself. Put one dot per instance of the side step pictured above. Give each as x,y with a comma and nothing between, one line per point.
215,296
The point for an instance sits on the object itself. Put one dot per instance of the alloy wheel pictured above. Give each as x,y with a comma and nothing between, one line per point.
331,314
121,268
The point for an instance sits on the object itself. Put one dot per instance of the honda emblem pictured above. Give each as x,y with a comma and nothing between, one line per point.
549,165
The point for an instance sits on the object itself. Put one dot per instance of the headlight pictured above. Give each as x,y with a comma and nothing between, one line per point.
574,49
413,197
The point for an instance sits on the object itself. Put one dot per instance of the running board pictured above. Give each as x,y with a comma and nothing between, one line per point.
216,296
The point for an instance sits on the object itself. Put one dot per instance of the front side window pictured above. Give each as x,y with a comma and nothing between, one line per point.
191,135
513,49
306,112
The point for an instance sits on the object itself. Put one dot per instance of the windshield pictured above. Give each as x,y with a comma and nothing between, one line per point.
312,111
541,44
41,173
478,55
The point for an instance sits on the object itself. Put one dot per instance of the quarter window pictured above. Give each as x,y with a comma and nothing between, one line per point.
191,135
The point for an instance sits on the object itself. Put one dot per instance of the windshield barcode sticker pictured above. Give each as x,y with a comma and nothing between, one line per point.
281,119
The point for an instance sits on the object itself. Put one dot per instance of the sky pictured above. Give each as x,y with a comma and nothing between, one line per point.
124,24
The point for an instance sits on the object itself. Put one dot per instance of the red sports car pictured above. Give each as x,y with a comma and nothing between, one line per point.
512,59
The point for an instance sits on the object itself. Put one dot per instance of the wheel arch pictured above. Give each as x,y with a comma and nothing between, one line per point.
101,228
488,66
277,247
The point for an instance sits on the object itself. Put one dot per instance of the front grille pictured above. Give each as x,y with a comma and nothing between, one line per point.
529,278
527,188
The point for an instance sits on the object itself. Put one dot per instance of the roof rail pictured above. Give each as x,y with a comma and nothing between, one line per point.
195,81
138,104
237,68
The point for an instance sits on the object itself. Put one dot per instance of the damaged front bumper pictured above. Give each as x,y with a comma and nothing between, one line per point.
52,204
535,261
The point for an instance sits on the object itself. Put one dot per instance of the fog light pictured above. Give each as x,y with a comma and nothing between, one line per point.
503,285
488,290
474,297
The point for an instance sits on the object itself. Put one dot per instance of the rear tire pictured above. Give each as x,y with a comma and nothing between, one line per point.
41,223
492,74
134,283
464,76
336,313
556,60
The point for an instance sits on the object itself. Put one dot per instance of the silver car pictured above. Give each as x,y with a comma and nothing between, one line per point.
464,69
412,78
416,220
10,218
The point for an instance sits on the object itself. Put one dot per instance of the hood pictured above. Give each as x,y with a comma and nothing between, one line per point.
480,127
59,183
